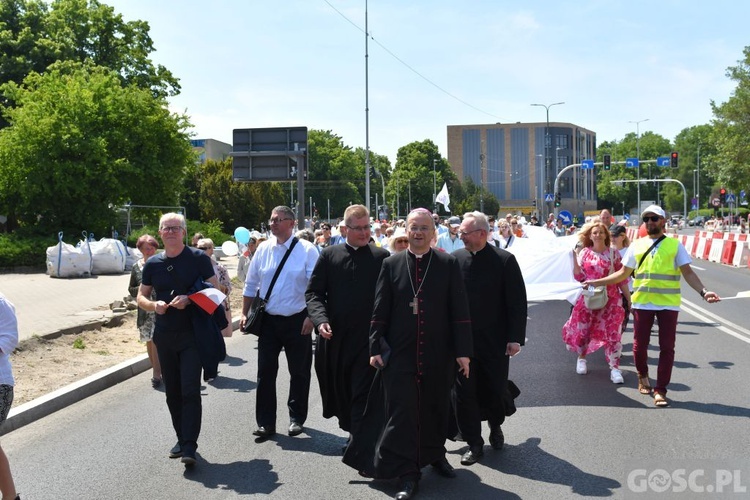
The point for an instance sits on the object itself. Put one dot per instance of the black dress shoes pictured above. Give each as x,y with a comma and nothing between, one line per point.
264,432
443,468
408,490
176,451
295,429
497,439
472,456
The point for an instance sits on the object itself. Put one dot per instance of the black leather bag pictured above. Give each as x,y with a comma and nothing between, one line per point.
255,315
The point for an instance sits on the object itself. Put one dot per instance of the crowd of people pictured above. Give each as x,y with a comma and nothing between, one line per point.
408,326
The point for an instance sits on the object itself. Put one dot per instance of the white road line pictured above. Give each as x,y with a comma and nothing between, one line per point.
725,326
698,268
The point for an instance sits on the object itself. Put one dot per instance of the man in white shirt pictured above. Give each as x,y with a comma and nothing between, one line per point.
450,242
285,323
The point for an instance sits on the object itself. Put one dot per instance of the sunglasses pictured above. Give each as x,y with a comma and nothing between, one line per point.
653,218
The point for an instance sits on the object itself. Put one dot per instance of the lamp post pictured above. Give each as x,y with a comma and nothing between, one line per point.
547,144
541,186
434,184
638,155
698,183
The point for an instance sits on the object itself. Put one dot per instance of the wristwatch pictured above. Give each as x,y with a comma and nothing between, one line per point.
703,293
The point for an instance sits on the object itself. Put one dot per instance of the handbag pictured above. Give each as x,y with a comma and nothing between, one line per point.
596,298
254,320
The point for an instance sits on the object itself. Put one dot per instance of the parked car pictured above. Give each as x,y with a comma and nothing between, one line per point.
697,221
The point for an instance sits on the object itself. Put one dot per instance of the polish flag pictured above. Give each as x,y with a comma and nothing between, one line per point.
208,299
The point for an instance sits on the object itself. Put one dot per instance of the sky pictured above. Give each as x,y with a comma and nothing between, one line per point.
434,63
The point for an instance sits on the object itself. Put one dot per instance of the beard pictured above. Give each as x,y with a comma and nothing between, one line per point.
654,230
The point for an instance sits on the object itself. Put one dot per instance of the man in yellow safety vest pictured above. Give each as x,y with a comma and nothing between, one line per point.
657,263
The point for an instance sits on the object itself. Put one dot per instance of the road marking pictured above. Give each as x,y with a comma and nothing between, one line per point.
725,326
698,268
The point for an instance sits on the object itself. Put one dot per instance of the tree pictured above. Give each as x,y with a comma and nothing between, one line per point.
468,199
335,172
235,204
731,164
34,35
81,143
413,175
691,144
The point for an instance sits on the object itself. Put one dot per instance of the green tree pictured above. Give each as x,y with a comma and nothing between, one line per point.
731,163
693,144
472,197
235,204
34,35
419,173
335,173
81,143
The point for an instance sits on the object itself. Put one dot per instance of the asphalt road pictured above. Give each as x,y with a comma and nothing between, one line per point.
573,436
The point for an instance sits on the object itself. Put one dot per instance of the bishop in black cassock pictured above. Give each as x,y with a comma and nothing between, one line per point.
497,301
341,293
420,328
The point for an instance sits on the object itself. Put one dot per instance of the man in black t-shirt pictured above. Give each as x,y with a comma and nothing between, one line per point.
170,275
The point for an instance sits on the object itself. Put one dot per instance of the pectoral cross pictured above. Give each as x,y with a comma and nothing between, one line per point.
414,306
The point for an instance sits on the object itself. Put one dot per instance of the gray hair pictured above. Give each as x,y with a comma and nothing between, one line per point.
478,219
285,211
305,234
170,216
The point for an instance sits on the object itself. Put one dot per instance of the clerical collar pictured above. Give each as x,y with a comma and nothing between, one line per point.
418,255
352,246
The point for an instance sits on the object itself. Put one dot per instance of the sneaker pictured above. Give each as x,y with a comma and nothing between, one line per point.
616,376
581,367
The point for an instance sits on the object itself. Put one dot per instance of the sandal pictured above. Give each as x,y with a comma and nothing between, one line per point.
660,399
643,386
155,383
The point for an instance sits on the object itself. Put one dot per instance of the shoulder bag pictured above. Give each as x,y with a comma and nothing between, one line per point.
257,310
597,298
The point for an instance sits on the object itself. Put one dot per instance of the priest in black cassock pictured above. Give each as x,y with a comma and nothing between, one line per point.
340,298
497,300
419,336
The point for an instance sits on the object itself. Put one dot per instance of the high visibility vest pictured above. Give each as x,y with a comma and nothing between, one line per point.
656,281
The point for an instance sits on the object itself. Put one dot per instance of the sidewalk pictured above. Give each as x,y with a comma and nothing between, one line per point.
50,307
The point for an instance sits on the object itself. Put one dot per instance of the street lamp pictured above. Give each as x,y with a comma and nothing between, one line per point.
547,144
434,184
638,155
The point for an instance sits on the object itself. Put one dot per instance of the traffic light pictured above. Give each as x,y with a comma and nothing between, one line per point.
723,196
533,202
607,162
673,161
557,199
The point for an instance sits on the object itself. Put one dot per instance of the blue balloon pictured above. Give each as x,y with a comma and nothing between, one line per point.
242,235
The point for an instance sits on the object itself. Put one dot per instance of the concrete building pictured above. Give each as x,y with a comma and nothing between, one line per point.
210,149
509,159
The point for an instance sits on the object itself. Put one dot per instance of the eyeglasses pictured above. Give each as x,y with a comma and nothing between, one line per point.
402,240
420,229
464,233
205,248
653,218
276,220
359,228
171,229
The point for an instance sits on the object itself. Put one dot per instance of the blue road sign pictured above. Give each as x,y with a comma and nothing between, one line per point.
548,197
587,164
566,217
730,198
626,216
663,161
631,162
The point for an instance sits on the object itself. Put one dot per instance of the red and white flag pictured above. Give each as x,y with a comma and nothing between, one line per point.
208,299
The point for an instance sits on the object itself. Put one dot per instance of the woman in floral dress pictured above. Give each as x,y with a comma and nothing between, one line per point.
586,331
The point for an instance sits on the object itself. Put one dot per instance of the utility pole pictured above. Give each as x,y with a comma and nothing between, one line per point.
547,143
638,155
434,185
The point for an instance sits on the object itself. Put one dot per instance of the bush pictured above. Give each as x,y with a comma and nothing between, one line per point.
24,250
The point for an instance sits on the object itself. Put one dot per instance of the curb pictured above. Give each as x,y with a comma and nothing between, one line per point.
78,391
73,393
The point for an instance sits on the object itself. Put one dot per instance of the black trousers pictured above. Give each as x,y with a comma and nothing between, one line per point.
468,413
181,373
279,332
